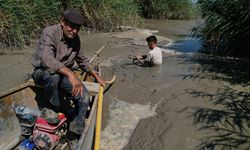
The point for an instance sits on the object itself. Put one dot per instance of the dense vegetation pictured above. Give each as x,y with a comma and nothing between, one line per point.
170,9
226,29
22,20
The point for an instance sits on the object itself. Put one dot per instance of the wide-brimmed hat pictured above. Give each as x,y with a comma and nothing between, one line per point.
73,16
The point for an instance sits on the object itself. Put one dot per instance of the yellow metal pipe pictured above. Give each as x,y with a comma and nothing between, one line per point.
99,119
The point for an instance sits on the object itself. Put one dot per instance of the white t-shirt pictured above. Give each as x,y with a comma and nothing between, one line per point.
154,56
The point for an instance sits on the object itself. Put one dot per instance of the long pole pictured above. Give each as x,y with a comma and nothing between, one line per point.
97,53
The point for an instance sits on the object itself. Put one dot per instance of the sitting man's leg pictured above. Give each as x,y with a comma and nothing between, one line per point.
50,82
80,106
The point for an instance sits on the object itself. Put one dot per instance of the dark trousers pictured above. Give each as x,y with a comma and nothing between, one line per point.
57,87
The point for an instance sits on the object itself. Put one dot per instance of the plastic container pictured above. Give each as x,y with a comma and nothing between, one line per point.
24,110
26,145
27,118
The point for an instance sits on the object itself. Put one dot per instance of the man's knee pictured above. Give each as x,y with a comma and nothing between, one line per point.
55,79
44,78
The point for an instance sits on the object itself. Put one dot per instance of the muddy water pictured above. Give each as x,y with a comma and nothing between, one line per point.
14,68
177,30
171,107
173,29
145,104
160,108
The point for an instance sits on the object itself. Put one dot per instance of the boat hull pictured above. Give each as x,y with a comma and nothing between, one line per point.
27,94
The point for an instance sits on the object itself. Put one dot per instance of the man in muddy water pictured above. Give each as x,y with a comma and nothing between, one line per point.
154,56
58,49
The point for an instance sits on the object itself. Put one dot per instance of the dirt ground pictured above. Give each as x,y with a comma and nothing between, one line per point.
155,108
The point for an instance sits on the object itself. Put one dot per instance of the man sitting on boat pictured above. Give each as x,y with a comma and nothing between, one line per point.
154,56
58,49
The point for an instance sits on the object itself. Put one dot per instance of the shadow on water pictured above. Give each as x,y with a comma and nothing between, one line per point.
229,120
233,71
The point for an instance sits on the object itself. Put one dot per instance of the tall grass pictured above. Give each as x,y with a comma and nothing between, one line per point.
22,20
107,14
166,9
226,27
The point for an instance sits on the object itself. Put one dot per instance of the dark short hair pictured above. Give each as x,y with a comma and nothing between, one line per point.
151,38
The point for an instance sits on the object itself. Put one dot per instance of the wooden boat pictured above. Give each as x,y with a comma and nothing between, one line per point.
30,95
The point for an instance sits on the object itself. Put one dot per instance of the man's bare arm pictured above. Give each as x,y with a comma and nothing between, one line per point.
98,78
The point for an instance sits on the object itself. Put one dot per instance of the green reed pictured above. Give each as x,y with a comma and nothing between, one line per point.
167,9
226,27
108,15
23,20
